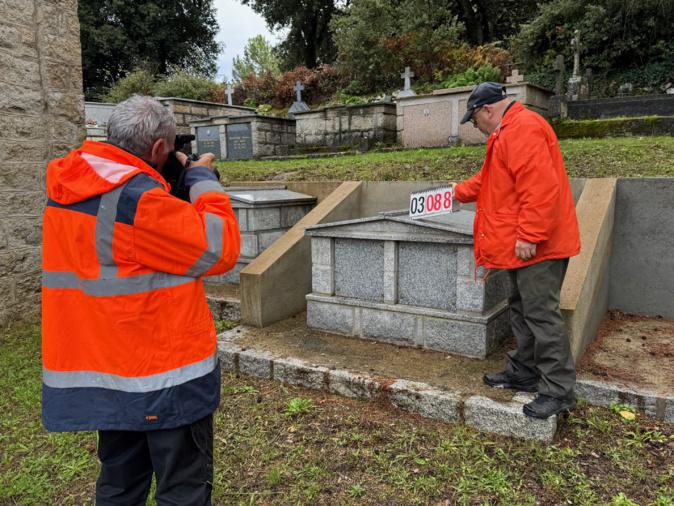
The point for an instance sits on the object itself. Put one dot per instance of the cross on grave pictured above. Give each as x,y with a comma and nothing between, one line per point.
515,77
229,92
559,71
407,76
298,89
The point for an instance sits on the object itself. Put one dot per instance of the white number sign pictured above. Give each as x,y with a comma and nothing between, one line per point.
432,202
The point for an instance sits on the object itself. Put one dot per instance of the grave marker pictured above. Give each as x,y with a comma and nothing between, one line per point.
407,90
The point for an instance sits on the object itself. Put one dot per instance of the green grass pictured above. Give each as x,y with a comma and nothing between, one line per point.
609,157
281,445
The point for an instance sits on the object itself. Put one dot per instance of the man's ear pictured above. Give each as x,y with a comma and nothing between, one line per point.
158,149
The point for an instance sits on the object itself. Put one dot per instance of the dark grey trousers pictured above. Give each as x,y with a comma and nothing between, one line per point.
543,348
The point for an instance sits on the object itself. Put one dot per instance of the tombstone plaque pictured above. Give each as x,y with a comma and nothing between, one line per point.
208,141
239,141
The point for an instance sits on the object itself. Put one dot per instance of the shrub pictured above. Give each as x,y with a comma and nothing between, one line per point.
185,85
473,75
138,82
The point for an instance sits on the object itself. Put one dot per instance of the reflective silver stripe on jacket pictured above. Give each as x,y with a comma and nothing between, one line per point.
214,229
139,384
113,286
207,185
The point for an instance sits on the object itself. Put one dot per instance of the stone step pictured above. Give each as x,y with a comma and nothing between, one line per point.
224,301
444,404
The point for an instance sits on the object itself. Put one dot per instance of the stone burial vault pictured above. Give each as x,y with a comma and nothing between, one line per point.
407,282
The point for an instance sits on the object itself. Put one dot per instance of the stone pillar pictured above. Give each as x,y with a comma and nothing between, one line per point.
42,110
391,272
323,265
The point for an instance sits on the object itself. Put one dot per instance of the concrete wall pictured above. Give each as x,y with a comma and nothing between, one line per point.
42,111
650,105
642,262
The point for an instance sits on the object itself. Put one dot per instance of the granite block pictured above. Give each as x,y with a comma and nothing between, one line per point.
322,251
231,276
292,214
330,317
425,400
266,239
242,219
669,409
469,294
391,326
297,372
391,272
498,288
256,363
228,354
454,336
249,245
596,393
426,275
264,219
322,279
508,419
359,269
465,261
352,385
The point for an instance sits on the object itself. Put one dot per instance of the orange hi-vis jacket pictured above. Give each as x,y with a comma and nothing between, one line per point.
522,192
128,342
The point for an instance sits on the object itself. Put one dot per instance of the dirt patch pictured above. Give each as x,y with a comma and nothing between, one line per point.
635,350
292,338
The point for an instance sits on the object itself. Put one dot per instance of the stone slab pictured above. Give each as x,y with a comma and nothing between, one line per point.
331,317
429,402
353,385
426,274
297,372
256,363
359,269
455,336
390,326
267,218
229,355
508,419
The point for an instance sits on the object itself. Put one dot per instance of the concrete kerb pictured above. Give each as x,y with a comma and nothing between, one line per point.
480,413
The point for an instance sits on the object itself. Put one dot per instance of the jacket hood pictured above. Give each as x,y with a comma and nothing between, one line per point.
93,169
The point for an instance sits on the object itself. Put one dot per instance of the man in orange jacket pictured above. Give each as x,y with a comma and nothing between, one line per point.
128,342
525,222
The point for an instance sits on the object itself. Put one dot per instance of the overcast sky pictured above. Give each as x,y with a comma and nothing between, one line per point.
238,23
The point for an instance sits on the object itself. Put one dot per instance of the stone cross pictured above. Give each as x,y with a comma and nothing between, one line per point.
559,70
407,76
575,44
229,92
515,77
298,89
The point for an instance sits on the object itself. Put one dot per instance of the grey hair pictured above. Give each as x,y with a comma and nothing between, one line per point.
139,121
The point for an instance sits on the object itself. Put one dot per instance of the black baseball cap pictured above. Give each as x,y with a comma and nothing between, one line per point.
483,94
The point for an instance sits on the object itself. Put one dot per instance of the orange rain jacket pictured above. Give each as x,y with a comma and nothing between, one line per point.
522,192
128,342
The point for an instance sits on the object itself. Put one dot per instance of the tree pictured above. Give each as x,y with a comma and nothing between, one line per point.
258,58
120,35
308,41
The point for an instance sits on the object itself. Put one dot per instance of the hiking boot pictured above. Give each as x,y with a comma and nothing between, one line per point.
544,406
505,380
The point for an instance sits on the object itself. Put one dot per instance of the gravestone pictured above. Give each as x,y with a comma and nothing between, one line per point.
514,77
408,282
298,105
208,140
239,141
577,89
559,74
407,90
263,215
557,104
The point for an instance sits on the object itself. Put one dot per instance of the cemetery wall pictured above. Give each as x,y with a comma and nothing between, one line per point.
354,125
642,264
185,111
613,127
42,109
649,105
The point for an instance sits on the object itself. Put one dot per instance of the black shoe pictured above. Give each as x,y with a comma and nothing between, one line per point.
505,380
544,406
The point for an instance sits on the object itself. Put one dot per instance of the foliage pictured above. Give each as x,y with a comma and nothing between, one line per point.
319,85
308,40
619,40
138,82
258,58
187,85
120,35
298,406
473,75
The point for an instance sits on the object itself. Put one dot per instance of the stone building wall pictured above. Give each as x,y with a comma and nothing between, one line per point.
41,118
355,125
185,111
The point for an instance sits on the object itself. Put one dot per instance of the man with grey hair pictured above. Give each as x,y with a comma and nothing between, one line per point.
128,342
